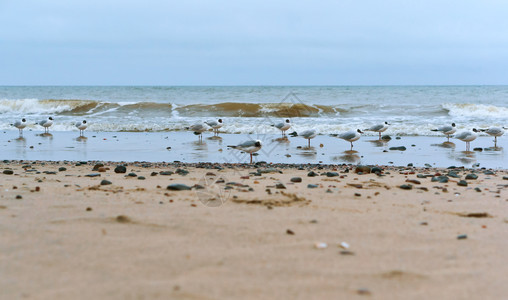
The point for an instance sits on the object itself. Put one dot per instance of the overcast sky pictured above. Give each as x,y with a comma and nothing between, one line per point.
101,42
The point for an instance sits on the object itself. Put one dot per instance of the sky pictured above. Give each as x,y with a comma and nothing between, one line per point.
357,42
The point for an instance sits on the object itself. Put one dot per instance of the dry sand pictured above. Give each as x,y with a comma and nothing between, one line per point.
65,236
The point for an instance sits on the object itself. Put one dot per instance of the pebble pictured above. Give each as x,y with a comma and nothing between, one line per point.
312,174
61,169
462,183
462,237
19,197
178,187
296,179
93,175
280,186
399,148
120,169
471,176
106,182
312,186
376,170
363,291
132,175
290,232
478,189
97,166
332,174
8,172
166,173
406,187
453,174
413,181
141,178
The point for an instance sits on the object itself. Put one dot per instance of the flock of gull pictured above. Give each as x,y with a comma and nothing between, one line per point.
253,146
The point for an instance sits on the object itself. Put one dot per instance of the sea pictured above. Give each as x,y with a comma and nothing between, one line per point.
411,110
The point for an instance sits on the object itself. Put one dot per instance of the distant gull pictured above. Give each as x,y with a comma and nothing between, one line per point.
350,136
283,126
467,136
447,130
46,124
198,129
248,147
216,125
495,132
307,134
81,126
20,125
379,128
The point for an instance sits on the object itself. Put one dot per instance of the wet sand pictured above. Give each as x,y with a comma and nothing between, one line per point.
258,233
185,147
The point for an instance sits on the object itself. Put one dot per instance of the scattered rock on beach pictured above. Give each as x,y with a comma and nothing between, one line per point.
406,187
8,172
178,187
120,169
471,176
106,182
399,148
296,179
462,183
93,175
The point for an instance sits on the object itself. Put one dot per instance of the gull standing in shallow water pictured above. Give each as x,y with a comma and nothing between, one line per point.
307,134
283,126
20,125
379,128
249,147
81,126
46,124
198,129
495,132
351,136
216,125
447,130
467,136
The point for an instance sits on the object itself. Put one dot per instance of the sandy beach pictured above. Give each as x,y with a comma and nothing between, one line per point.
261,231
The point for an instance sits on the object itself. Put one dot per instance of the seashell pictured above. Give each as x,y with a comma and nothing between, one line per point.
320,245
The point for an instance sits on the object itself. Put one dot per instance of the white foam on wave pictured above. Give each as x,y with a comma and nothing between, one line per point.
475,110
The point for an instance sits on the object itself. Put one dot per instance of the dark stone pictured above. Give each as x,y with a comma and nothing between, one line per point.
166,172
154,174
296,179
478,189
19,197
106,182
441,179
505,177
120,169
93,175
462,183
376,170
362,169
421,176
178,187
478,149
49,172
312,186
462,237
132,175
61,169
332,174
386,137
312,174
406,187
400,148
181,172
8,172
453,174
280,186
410,164
141,178
471,176
488,172
414,181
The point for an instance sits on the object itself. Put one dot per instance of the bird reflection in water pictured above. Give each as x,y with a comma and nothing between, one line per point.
350,156
309,152
447,145
82,139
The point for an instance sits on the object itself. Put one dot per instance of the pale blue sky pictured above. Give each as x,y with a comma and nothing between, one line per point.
100,42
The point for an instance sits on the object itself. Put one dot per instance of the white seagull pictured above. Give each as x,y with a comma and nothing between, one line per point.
46,124
467,136
249,147
351,136
283,126
198,129
20,125
307,134
81,126
495,132
216,125
379,128
447,130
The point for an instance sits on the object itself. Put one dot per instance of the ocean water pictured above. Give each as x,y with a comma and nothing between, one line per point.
411,110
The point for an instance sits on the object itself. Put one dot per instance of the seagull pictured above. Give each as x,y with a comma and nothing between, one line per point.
198,129
46,124
495,132
283,126
350,136
379,128
20,125
81,126
307,134
467,136
215,125
447,130
249,147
